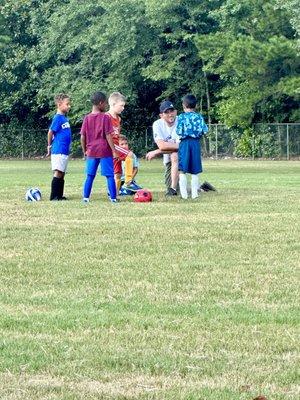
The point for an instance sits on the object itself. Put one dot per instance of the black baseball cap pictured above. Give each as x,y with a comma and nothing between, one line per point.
166,105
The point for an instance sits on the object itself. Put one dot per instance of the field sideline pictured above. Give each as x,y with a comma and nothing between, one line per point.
169,300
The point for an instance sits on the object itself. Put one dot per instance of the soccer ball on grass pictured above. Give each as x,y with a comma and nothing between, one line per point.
142,196
33,194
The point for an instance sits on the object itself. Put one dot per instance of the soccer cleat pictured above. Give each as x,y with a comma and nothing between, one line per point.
131,186
171,192
114,200
136,184
206,187
85,200
125,192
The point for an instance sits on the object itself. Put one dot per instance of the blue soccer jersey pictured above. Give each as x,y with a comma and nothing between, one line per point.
62,137
190,124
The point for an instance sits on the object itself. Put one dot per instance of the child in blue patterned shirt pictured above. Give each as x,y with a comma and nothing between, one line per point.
190,128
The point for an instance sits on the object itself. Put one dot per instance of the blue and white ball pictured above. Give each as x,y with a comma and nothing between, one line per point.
33,194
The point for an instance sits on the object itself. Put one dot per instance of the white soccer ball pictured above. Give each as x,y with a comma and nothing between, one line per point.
33,194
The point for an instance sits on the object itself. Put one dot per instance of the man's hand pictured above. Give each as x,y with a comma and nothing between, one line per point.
152,154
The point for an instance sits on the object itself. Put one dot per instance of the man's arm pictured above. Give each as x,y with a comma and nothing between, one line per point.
163,148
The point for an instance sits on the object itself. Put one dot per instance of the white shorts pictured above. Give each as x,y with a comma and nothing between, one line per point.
59,162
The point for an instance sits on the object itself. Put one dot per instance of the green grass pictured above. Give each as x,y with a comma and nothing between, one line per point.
170,300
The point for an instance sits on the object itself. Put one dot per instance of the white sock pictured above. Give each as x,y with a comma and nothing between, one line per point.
195,186
183,186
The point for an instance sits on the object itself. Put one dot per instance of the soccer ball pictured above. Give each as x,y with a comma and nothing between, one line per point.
142,196
33,194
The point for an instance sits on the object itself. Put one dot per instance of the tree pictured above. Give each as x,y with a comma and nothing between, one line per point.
255,54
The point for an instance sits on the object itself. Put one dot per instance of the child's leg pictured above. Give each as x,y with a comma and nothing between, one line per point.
174,171
91,170
111,187
59,164
194,185
183,185
87,187
118,181
55,188
128,169
107,170
117,164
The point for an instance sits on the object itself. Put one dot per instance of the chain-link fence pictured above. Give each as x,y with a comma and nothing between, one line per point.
278,141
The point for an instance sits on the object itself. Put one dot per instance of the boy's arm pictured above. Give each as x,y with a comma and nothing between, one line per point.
83,144
111,144
49,141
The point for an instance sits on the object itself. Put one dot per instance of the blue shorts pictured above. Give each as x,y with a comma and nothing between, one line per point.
189,156
106,166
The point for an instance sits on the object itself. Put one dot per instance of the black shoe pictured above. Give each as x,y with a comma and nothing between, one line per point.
206,187
171,192
58,198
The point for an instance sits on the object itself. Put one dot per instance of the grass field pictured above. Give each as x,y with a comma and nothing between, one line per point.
170,300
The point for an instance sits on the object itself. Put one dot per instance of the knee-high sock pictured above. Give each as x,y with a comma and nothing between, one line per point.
55,188
111,186
87,187
128,169
183,185
61,187
195,186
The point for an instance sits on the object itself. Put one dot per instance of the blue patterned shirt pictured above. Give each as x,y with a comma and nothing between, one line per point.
191,124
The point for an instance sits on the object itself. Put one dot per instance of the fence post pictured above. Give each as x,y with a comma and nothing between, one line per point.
146,138
22,138
216,130
287,142
253,144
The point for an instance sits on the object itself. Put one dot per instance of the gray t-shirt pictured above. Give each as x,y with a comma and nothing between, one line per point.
162,131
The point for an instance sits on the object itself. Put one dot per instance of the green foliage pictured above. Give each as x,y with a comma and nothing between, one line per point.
255,54
243,143
239,57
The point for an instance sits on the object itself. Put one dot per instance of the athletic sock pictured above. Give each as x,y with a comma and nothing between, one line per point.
183,186
61,188
87,187
111,187
128,167
55,188
194,186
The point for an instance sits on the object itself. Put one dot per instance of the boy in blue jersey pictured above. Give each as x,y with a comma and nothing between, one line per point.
59,142
190,128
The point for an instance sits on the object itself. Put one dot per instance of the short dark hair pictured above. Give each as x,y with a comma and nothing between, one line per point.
189,101
60,97
98,97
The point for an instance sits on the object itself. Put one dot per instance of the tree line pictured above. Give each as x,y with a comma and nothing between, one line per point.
239,57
